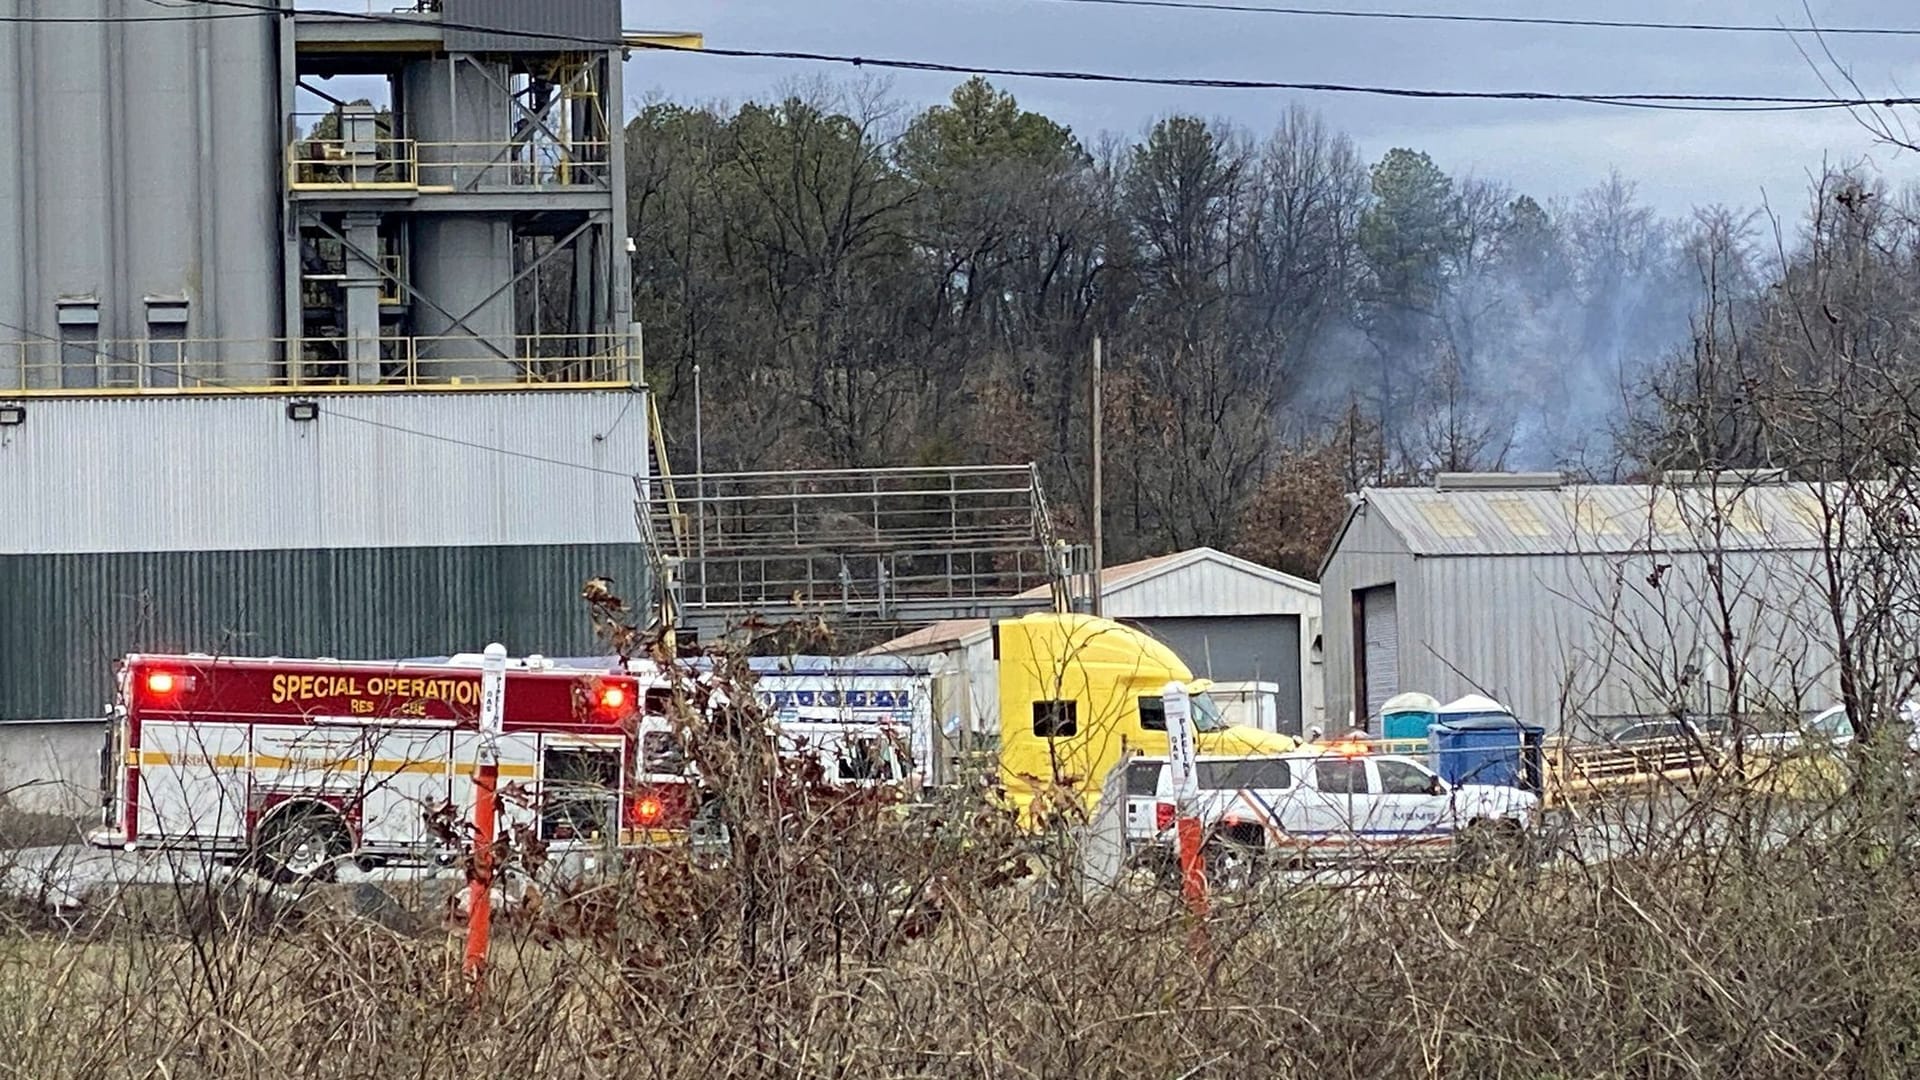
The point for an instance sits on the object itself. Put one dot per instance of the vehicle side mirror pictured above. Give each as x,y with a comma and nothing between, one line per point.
1437,787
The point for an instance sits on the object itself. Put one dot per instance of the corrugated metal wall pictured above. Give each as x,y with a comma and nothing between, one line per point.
587,20
1214,596
374,470
65,618
1367,554
1241,648
1586,639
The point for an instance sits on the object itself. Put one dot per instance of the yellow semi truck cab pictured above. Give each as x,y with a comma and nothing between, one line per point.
1078,692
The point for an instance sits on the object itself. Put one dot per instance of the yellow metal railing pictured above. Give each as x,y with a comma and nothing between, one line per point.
1575,771
1571,771
315,291
390,289
352,164
412,165
275,365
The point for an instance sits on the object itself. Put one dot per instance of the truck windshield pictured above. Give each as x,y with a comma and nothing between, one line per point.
1206,714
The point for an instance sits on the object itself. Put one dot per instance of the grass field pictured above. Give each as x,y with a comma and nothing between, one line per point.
866,946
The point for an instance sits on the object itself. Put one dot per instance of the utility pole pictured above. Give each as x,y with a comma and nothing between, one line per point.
1099,541
699,439
700,482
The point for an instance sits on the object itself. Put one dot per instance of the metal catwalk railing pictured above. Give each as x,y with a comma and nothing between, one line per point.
410,165
877,544
274,365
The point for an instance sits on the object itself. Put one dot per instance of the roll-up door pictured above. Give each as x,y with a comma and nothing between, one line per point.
1380,646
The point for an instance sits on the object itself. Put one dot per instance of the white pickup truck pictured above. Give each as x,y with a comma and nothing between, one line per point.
1336,800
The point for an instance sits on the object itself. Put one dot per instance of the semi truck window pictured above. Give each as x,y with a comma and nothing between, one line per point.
1153,713
1340,776
1055,719
1254,773
1205,713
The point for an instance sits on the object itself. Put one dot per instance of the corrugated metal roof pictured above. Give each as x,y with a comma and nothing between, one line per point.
934,638
1126,575
1198,582
519,26
1603,518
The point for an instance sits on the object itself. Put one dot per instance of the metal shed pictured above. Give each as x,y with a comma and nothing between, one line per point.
1231,620
1581,606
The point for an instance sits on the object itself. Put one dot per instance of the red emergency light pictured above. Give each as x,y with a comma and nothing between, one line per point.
609,700
166,684
666,806
648,810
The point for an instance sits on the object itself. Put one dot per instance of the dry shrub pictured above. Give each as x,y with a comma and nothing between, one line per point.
1709,932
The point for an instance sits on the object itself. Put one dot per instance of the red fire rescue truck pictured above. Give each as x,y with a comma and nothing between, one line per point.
300,764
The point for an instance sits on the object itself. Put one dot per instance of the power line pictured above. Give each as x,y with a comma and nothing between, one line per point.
184,17
261,10
504,451
1676,102
1509,20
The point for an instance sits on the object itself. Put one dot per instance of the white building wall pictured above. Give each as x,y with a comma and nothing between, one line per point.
52,767
447,469
1206,588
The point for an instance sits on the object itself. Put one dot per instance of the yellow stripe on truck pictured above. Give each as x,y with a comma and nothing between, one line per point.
216,761
160,758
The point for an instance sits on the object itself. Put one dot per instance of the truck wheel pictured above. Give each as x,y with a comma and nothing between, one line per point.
303,843
1232,857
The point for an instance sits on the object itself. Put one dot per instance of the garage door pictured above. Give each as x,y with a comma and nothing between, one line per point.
1380,646
1253,648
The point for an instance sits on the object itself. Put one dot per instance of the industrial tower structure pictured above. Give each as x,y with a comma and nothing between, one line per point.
285,373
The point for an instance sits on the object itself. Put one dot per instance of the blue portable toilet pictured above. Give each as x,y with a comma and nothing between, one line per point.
1408,716
1476,740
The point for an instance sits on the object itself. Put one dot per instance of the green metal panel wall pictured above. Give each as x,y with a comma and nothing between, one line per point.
64,619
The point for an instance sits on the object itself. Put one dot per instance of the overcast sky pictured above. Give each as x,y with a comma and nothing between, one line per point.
1679,160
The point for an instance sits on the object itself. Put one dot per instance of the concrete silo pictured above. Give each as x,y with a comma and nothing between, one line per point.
140,195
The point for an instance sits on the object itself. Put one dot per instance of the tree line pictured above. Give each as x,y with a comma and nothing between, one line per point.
1283,320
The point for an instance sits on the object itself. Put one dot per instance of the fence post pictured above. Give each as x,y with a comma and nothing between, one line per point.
486,779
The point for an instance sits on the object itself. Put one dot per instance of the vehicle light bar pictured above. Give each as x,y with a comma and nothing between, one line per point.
167,683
